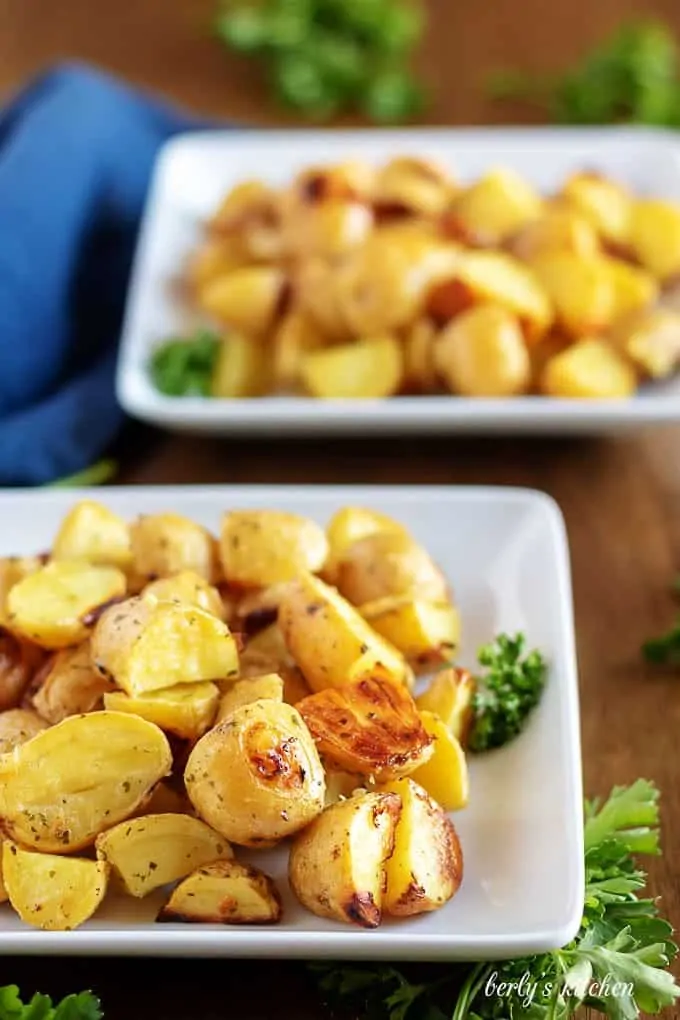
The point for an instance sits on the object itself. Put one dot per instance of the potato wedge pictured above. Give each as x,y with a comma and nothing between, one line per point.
650,339
389,564
154,850
482,353
337,864
246,299
92,532
57,605
603,202
268,687
426,868
257,776
426,633
493,208
449,696
165,544
242,368
19,663
17,725
67,784
330,641
70,685
370,727
189,589
582,290
655,236
591,368
224,892
265,547
347,526
144,645
445,774
187,710
50,892
368,370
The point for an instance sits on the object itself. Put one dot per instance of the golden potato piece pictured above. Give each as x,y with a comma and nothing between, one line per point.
92,532
558,228
494,208
655,236
581,289
426,633
389,563
603,202
329,639
589,369
70,782
264,547
326,229
650,338
341,785
155,850
318,294
416,185
368,370
337,864
258,608
12,570
296,335
634,288
166,544
166,800
247,299
268,687
57,605
17,725
189,589
237,205
224,892
420,370
242,368
19,663
265,652
482,353
3,891
70,685
350,524
214,258
449,696
370,727
144,645
445,774
50,892
257,776
187,710
426,868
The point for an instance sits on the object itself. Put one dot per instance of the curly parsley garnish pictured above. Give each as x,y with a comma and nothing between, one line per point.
183,367
74,1007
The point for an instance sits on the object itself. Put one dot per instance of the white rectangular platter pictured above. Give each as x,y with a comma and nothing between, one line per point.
505,554
195,170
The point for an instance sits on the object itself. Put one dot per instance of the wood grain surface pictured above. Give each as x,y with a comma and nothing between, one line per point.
620,496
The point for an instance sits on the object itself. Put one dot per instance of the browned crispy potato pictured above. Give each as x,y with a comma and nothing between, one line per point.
50,892
414,185
328,228
426,633
449,696
242,368
19,662
558,228
247,299
243,692
368,370
655,236
257,777
370,727
144,645
389,564
265,547
493,208
591,368
165,544
70,685
189,589
17,725
70,782
341,785
582,290
650,338
445,774
604,203
187,710
319,297
347,526
352,178
482,353
258,608
329,639
296,335
58,604
553,343
93,533
224,892
249,222
337,864
145,853
426,868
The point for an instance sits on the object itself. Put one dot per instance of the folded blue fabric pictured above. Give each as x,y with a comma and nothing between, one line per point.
76,152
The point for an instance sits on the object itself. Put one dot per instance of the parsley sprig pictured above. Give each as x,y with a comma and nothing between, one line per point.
183,366
665,649
622,943
74,1007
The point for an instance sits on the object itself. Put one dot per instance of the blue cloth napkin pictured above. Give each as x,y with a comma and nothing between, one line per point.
76,152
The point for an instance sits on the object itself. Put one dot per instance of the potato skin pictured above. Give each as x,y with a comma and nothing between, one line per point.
259,548
349,525
70,685
224,892
17,725
165,544
336,865
257,776
389,563
19,662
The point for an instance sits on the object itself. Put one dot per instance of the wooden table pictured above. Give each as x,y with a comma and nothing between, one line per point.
620,496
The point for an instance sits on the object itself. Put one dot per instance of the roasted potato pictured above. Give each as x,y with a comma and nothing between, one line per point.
591,368
449,696
445,774
265,547
250,221
389,563
352,178
426,868
216,257
3,891
19,662
224,892
187,710
341,785
144,645
329,639
70,685
145,853
166,799
257,688
12,570
265,652
258,608
420,370
603,202
426,633
57,605
50,892
67,784
337,864
347,526
92,532
17,725
634,288
189,589
247,299
493,209
319,297
370,727
328,228
242,368
558,228
415,185
166,544
296,335
257,776
582,290
650,339
369,369
655,236
482,353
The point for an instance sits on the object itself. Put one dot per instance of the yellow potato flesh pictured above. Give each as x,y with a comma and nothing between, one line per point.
590,369
445,775
496,206
449,696
650,339
259,548
187,710
72,685
92,532
17,725
482,353
164,544
424,632
581,289
603,202
655,236
500,279
245,299
224,892
350,524
368,370
241,369
269,687
634,288
188,588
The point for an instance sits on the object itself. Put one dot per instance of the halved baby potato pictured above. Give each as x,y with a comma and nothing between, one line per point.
188,588
70,685
224,892
92,532
370,369
449,696
155,850
266,547
445,774
336,866
389,563
187,710
17,725
144,645
350,524
68,783
165,544
268,687
50,892
427,633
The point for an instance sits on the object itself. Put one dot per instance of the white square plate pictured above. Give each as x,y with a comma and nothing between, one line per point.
194,171
505,553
